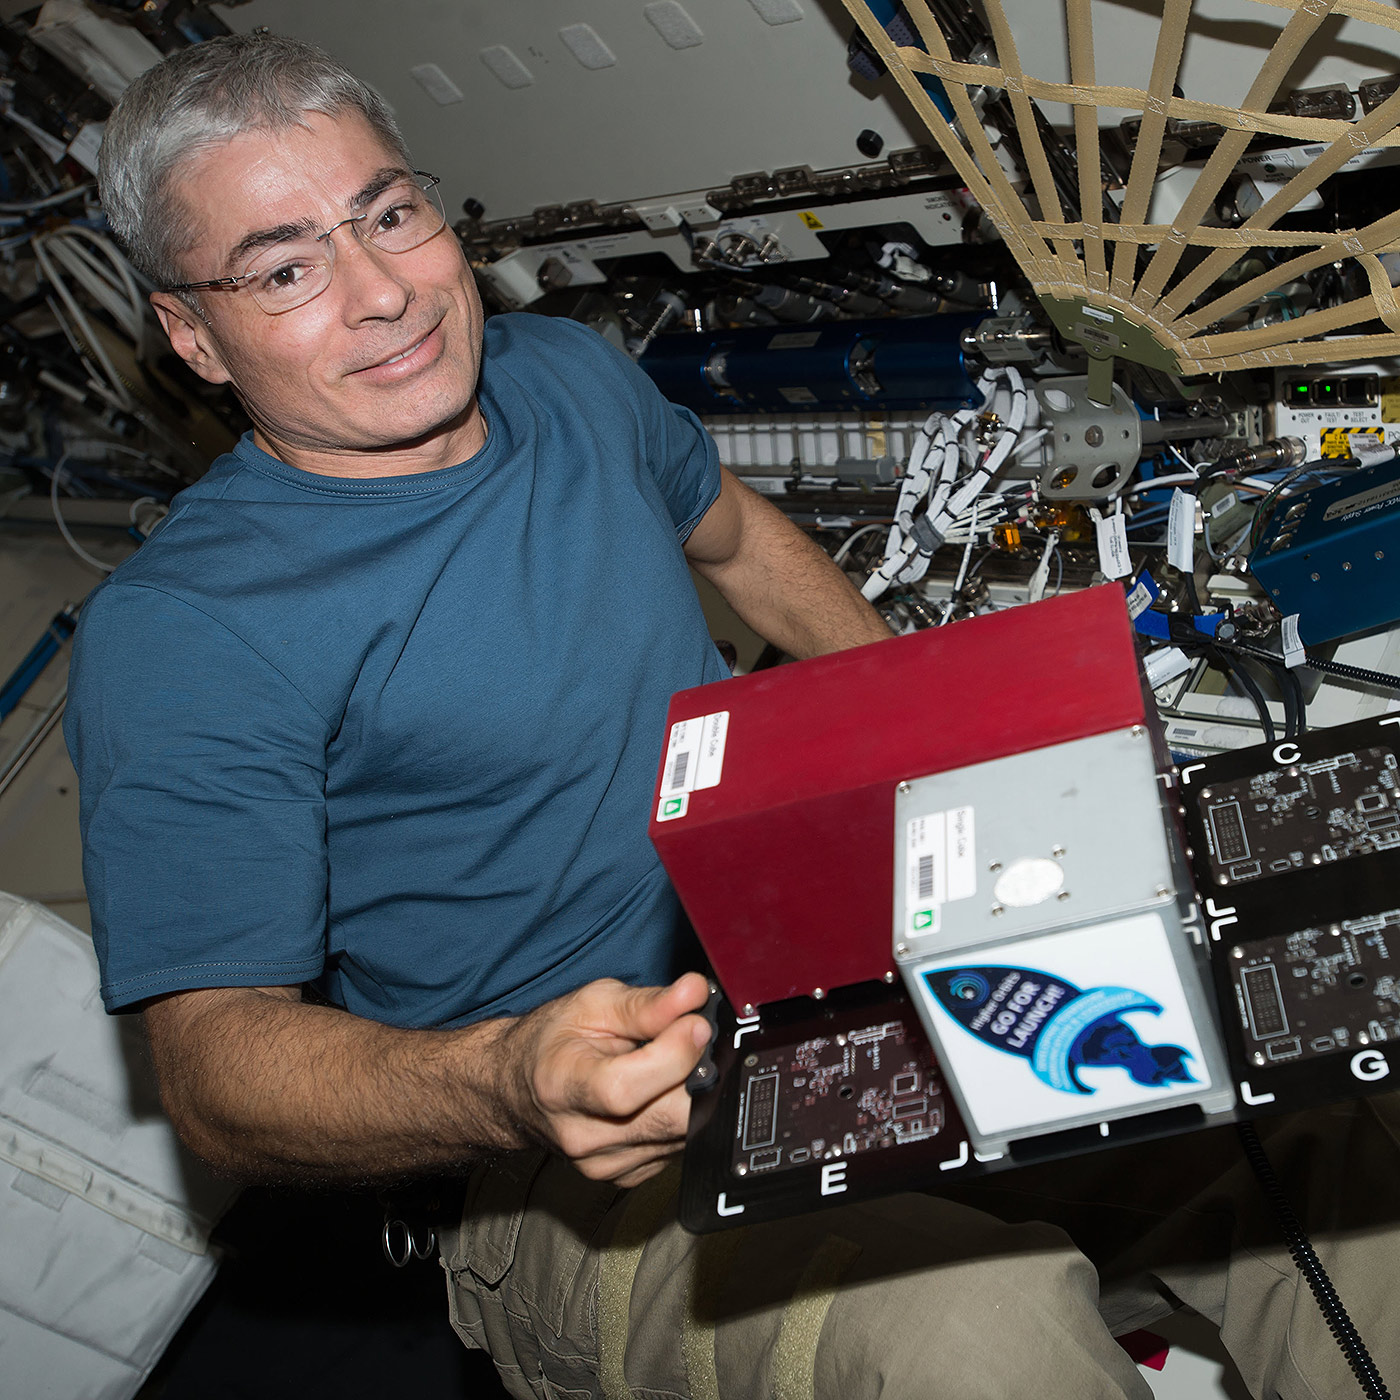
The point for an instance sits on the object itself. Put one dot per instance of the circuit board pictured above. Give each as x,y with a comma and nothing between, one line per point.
1320,990
1309,814
836,1096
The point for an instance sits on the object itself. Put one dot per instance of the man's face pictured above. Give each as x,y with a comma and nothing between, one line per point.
328,384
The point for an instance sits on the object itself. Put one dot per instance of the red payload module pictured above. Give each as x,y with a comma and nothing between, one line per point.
775,799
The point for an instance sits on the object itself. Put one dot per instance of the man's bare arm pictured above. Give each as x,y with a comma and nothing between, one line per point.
778,580
265,1086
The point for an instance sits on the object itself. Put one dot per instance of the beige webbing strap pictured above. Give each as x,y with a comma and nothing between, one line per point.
975,160
1166,64
971,152
1325,129
1086,144
1332,319
714,1257
1045,246
1381,291
646,1207
795,1358
1032,147
1376,237
1305,182
1300,28
1304,352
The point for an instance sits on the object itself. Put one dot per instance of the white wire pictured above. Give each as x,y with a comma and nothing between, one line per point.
905,560
1159,483
48,267
847,544
1041,576
62,255
1022,448
117,299
47,202
967,554
62,525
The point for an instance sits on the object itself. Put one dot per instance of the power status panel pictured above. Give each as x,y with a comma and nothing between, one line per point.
1337,413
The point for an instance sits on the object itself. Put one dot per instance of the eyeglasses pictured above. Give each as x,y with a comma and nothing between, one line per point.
288,274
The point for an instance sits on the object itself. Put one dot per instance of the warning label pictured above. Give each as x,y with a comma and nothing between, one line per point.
1344,442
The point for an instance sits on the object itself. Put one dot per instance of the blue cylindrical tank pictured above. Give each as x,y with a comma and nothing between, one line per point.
898,363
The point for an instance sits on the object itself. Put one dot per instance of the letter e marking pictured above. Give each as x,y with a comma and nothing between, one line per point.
833,1178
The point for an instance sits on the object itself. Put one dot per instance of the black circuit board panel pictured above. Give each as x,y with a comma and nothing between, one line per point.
1321,990
1307,815
835,1096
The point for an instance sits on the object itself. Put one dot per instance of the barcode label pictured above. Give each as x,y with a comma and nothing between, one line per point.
679,767
941,866
695,754
925,877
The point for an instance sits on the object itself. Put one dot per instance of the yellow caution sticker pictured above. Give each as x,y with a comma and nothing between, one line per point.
810,219
1342,442
1390,400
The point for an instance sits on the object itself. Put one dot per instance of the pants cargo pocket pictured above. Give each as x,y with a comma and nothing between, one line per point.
479,1257
524,1273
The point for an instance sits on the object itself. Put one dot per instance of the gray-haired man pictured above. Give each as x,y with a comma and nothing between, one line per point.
379,707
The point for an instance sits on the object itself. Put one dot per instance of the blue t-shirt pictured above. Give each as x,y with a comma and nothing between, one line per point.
401,734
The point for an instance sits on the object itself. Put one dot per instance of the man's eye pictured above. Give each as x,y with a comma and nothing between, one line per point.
283,276
395,216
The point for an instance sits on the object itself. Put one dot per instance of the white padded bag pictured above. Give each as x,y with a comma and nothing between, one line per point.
104,1219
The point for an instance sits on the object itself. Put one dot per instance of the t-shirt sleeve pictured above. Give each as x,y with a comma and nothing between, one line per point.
201,775
679,453
685,465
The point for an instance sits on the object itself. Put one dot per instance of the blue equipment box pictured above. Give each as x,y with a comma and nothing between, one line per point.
1333,555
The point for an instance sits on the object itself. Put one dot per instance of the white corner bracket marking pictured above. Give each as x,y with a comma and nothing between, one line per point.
1221,916
722,1206
744,1028
1250,1097
959,1161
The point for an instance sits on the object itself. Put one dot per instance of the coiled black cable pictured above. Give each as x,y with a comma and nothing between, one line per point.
1353,673
1310,1266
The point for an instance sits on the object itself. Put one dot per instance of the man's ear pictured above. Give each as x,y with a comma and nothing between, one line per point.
190,337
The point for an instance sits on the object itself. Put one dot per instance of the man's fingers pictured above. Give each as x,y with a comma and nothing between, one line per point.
621,1085
644,1012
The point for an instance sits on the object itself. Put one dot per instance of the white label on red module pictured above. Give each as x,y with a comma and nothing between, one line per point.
695,754
940,865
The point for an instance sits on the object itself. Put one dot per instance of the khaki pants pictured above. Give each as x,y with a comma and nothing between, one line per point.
984,1293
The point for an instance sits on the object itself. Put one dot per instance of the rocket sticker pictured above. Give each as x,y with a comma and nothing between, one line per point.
1060,1028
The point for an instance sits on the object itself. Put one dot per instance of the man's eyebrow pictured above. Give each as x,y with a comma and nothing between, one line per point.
380,181
265,237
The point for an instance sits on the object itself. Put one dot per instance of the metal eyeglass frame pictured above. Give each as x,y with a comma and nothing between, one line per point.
233,284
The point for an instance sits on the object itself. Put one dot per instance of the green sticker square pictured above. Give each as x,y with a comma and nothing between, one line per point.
673,807
923,918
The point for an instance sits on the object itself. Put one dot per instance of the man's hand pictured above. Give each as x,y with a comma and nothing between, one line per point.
603,1074
266,1087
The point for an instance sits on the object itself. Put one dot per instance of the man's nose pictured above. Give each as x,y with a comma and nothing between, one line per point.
373,281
